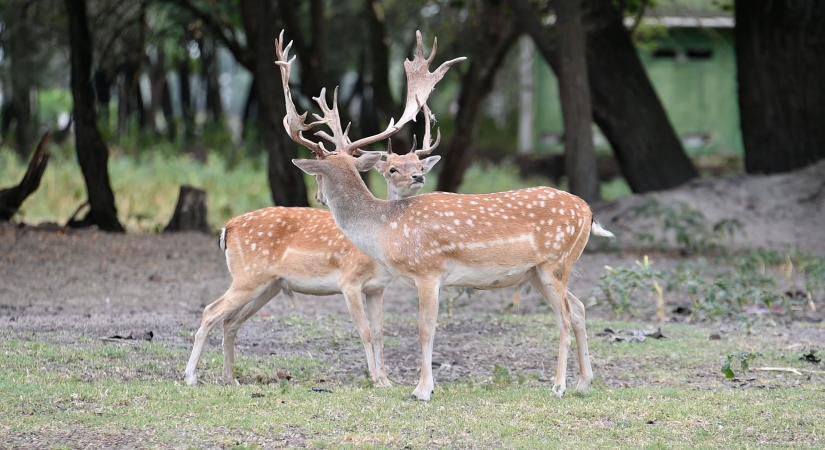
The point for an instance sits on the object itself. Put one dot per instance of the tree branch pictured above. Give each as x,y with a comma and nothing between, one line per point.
220,29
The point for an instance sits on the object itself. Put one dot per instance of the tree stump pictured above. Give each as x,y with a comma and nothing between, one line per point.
190,212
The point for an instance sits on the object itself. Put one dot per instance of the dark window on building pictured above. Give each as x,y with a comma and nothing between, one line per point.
699,53
664,53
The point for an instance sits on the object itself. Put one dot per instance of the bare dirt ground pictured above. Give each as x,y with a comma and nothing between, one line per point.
58,285
73,287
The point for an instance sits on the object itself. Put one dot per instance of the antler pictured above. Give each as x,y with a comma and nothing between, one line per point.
420,83
294,123
427,146
332,119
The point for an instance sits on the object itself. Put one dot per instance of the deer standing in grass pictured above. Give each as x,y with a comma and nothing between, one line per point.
302,250
440,239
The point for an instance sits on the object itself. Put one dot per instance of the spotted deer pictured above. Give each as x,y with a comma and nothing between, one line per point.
482,241
302,250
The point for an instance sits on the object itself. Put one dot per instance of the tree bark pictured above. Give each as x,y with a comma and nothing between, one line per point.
495,36
184,72
11,198
92,154
574,91
625,106
190,211
210,72
779,51
285,181
20,74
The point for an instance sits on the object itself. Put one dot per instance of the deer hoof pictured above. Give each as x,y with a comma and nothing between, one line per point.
423,393
558,390
191,379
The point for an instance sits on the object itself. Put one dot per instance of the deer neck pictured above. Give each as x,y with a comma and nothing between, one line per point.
360,215
393,193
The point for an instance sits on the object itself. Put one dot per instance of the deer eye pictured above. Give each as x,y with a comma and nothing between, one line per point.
393,170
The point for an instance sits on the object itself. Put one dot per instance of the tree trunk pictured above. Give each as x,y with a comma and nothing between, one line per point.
495,36
184,72
250,110
92,153
11,198
210,72
625,106
285,181
379,48
19,47
779,51
190,211
582,176
103,93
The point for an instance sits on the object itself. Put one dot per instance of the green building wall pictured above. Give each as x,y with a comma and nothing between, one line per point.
694,73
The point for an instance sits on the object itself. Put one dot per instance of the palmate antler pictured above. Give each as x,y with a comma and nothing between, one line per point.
427,146
420,83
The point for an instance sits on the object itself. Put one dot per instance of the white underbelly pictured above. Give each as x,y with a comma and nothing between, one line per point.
483,276
319,285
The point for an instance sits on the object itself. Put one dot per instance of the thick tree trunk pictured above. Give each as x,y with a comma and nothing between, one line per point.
285,181
780,70
190,211
92,153
574,91
495,36
625,106
19,47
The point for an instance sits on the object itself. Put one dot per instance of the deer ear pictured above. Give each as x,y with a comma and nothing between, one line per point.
380,166
366,161
430,162
310,166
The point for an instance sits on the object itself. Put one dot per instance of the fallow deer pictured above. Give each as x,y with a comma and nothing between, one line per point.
302,250
440,239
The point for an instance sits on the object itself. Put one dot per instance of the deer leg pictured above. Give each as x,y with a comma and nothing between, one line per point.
577,319
427,315
232,300
355,304
554,292
375,311
232,323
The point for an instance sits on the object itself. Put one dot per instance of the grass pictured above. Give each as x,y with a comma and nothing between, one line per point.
146,186
107,391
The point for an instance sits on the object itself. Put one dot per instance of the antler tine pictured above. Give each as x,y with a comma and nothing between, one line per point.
332,119
427,146
294,123
420,83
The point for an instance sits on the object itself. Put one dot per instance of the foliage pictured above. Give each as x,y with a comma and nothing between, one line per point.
743,358
756,283
621,285
687,227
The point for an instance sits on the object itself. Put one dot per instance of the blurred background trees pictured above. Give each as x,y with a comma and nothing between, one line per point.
189,89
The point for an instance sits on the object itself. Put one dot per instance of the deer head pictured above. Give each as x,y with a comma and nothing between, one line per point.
405,173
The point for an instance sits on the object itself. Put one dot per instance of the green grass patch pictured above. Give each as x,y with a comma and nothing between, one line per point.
677,396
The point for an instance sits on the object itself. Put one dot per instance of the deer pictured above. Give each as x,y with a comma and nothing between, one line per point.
289,249
440,239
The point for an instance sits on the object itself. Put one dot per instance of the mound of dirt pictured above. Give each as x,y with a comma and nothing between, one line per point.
783,212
